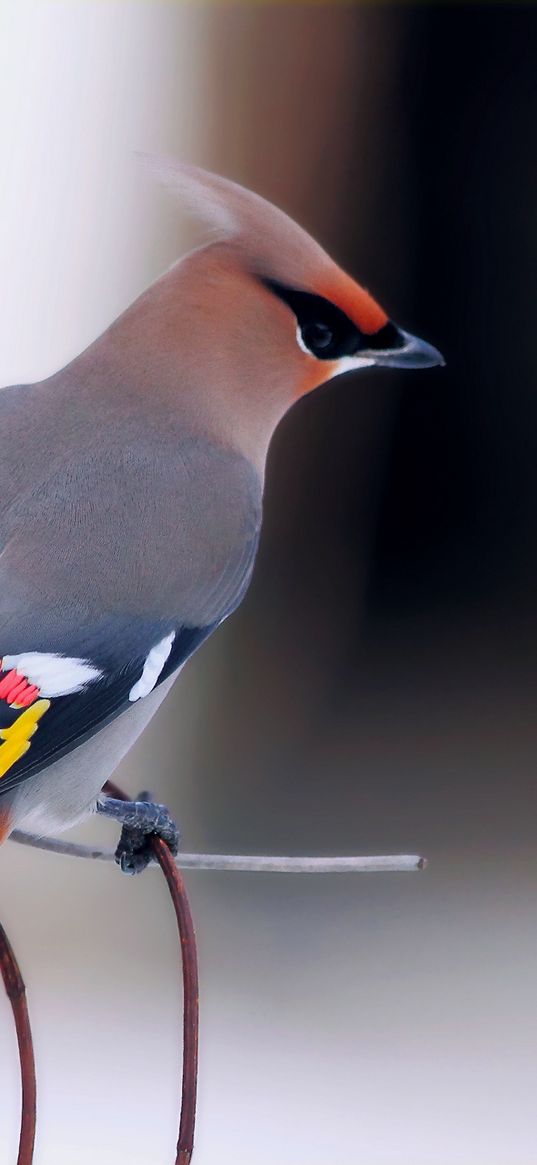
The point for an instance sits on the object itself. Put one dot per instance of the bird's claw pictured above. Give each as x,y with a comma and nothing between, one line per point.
142,821
135,851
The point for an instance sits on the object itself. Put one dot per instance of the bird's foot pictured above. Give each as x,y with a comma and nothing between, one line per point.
141,820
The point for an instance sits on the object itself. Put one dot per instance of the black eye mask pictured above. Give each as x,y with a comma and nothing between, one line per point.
326,331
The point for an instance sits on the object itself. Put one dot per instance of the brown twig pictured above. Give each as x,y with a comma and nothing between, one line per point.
189,958
16,993
187,938
267,864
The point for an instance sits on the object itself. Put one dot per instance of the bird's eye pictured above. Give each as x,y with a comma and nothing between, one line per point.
323,330
317,337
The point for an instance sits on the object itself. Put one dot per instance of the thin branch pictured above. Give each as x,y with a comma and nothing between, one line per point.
267,864
389,863
16,993
189,959
187,936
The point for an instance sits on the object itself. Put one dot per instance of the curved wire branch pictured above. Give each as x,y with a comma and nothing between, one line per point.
253,863
187,937
169,867
16,990
16,993
189,959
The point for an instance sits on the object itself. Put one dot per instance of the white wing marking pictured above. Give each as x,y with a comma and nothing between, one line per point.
152,668
54,675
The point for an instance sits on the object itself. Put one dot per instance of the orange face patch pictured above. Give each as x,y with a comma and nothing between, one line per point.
356,302
318,372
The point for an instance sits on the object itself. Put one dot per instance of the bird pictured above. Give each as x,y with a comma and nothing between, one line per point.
131,487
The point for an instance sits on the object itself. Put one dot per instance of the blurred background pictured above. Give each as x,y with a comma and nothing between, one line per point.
376,691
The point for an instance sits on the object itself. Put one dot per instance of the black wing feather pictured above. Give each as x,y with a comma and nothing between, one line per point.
73,719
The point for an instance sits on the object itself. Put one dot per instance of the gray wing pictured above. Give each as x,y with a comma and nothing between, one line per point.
117,563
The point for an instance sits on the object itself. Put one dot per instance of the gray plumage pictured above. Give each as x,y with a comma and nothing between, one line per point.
131,484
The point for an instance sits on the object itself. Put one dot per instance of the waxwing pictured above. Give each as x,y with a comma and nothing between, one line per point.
130,493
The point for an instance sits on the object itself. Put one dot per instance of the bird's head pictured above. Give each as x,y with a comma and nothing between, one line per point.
272,300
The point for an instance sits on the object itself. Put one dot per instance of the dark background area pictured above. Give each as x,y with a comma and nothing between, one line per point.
398,556
457,518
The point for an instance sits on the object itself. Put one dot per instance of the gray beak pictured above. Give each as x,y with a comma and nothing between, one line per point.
409,352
